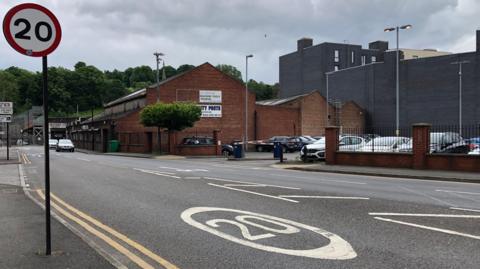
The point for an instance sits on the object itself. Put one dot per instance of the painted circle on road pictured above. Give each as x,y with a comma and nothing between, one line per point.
336,249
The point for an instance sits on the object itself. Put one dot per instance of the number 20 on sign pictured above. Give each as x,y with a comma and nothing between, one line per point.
32,30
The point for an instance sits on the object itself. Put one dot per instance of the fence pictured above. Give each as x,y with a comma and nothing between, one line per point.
454,139
376,139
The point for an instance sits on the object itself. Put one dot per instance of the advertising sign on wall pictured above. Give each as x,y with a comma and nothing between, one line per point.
210,97
211,111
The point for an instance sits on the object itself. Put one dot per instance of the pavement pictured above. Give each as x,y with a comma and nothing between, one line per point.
12,156
22,232
381,171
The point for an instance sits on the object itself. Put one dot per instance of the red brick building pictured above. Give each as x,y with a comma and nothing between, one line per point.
223,115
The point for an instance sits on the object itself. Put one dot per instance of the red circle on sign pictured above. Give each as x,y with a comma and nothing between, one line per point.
8,35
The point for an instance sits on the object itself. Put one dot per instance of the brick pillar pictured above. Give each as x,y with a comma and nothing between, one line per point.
331,143
172,142
421,145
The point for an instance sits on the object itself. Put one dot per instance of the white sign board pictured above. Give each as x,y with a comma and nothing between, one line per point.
57,125
6,108
210,97
5,118
211,111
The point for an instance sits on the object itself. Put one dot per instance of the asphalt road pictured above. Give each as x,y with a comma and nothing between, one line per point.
213,213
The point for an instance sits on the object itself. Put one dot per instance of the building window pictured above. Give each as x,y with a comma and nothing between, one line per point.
364,59
336,57
353,57
336,67
374,59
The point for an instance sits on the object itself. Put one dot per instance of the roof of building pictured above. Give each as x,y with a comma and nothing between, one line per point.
279,101
131,96
110,116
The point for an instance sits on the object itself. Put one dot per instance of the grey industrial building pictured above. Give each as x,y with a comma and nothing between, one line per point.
429,82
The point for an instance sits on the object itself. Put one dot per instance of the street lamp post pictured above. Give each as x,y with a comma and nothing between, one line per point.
397,90
460,63
158,59
327,98
246,102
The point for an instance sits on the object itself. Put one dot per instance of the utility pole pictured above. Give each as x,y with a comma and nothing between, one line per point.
246,102
460,63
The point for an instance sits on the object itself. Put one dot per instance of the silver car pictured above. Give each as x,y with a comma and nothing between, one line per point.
65,145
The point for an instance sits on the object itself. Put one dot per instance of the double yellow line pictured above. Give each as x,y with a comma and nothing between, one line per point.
25,158
89,223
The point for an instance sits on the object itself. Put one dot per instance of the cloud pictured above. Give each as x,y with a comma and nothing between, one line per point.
124,33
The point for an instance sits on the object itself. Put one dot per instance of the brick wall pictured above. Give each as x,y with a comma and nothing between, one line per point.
273,120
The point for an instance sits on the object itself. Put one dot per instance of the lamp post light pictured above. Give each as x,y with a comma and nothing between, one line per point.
460,63
397,91
158,59
246,102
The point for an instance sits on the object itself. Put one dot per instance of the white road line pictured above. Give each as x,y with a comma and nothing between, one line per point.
324,197
81,159
158,173
462,192
465,209
428,196
321,179
252,183
252,192
425,215
430,228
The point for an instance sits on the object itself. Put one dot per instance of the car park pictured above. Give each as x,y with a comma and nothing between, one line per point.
386,144
65,145
198,140
316,151
448,142
52,143
267,145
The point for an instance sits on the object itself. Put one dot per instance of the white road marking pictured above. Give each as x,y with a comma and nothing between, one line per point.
82,159
461,192
465,209
193,177
183,170
252,192
336,249
430,228
428,196
325,197
321,179
252,183
158,173
425,215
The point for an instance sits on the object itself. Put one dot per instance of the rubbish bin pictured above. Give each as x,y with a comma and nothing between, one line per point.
113,145
277,150
238,151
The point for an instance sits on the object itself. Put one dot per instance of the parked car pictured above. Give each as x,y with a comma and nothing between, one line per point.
296,143
21,142
198,140
227,149
448,142
474,142
316,151
65,145
52,143
267,145
475,151
318,137
386,144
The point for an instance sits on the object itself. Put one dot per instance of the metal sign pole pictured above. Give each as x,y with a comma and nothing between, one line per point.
8,143
47,156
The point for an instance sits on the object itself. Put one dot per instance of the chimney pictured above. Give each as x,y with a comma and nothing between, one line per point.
304,43
478,41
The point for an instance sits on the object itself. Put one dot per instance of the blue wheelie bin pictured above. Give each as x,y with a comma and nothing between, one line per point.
238,151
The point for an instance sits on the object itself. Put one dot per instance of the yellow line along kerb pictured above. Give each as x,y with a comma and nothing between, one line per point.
166,264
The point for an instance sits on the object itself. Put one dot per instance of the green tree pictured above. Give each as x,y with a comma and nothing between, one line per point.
184,68
173,117
8,88
230,70
262,90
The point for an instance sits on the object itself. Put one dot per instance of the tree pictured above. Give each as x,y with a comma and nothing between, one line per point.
184,68
173,117
230,70
262,90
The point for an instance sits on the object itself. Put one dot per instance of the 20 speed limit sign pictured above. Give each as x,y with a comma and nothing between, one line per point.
32,30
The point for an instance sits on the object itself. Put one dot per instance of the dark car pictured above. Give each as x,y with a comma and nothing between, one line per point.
267,145
448,142
227,149
295,143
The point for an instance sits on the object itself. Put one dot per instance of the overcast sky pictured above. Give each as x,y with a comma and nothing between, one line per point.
124,33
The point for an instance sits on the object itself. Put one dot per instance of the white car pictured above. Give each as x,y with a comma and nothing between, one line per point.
65,145
475,151
386,144
316,151
52,143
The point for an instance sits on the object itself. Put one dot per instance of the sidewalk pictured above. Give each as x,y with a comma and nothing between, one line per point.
384,172
22,233
134,155
13,158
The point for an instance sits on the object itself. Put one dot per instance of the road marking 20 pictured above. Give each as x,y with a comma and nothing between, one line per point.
337,249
